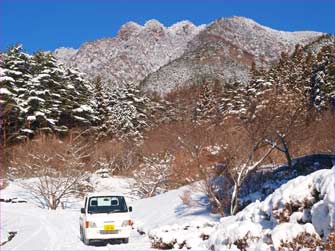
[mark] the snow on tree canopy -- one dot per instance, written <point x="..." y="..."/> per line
<point x="4" y="91"/>
<point x="41" y="95"/>
<point x="122" y="111"/>
<point x="6" y="78"/>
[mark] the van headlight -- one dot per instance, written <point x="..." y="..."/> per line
<point x="126" y="223"/>
<point x="90" y="224"/>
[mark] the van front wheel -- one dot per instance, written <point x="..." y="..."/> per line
<point x="81" y="234"/>
<point x="86" y="241"/>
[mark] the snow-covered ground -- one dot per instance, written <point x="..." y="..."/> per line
<point x="298" y="214"/>
<point x="42" y="229"/>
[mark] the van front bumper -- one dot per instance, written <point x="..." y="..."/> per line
<point x="100" y="234"/>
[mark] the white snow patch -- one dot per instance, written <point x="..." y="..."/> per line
<point x="31" y="118"/>
<point x="6" y="78"/>
<point x="5" y="91"/>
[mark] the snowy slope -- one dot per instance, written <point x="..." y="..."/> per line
<point x="167" y="208"/>
<point x="298" y="214"/>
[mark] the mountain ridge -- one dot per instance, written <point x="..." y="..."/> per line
<point x="143" y="54"/>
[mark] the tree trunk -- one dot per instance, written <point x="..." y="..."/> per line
<point x="286" y="151"/>
<point x="151" y="193"/>
<point x="4" y="135"/>
<point x="289" y="160"/>
<point x="53" y="204"/>
<point x="234" y="200"/>
<point x="242" y="175"/>
<point x="214" y="200"/>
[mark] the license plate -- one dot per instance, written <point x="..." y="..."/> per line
<point x="109" y="227"/>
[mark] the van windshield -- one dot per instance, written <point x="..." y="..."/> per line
<point x="107" y="204"/>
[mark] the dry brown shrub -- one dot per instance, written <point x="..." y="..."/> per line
<point x="3" y="183"/>
<point x="242" y="244"/>
<point x="167" y="138"/>
<point x="119" y="157"/>
<point x="186" y="198"/>
<point x="22" y="154"/>
<point x="159" y="244"/>
<point x="159" y="139"/>
<point x="330" y="244"/>
<point x="303" y="240"/>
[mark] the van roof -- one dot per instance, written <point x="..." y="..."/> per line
<point x="103" y="194"/>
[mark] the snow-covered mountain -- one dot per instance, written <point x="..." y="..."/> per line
<point x="226" y="50"/>
<point x="134" y="53"/>
<point x="64" y="54"/>
<point x="161" y="58"/>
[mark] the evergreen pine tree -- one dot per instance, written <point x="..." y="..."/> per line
<point x="207" y="105"/>
<point x="128" y="113"/>
<point x="15" y="72"/>
<point x="101" y="101"/>
<point x="322" y="79"/>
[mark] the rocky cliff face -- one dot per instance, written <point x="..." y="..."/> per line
<point x="163" y="58"/>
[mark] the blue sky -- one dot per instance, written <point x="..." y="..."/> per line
<point x="49" y="24"/>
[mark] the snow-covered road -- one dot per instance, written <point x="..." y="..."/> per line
<point x="43" y="229"/>
<point x="40" y="229"/>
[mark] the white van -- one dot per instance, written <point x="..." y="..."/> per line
<point x="105" y="217"/>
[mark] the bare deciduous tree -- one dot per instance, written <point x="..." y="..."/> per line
<point x="196" y="140"/>
<point x="55" y="173"/>
<point x="51" y="186"/>
<point x="288" y="112"/>
<point x="153" y="175"/>
<point x="239" y="172"/>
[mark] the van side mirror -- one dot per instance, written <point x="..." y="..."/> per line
<point x="82" y="210"/>
<point x="130" y="209"/>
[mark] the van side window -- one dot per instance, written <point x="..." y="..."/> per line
<point x="85" y="202"/>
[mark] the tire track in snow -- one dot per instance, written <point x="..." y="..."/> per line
<point x="27" y="230"/>
<point x="50" y="231"/>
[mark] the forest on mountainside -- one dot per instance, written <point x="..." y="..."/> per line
<point x="193" y="133"/>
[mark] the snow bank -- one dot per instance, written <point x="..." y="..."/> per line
<point x="287" y="232"/>
<point x="181" y="235"/>
<point x="299" y="214"/>
<point x="170" y="223"/>
<point x="230" y="232"/>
